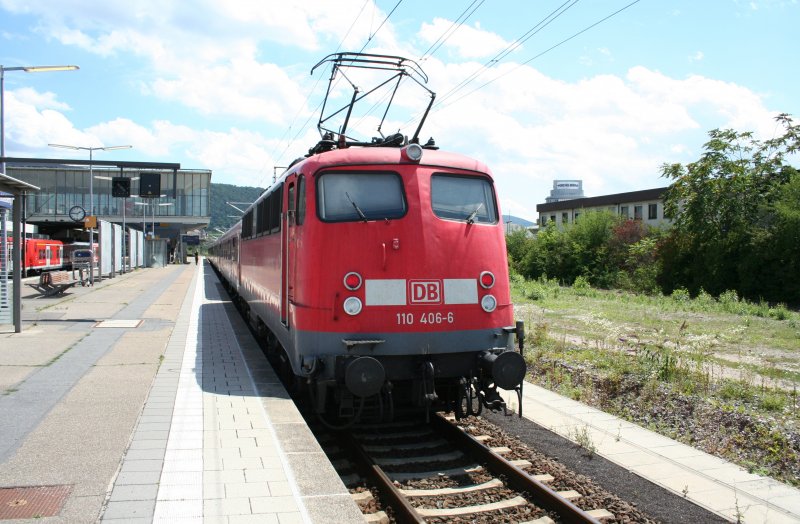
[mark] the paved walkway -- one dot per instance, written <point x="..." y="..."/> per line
<point x="148" y="400"/>
<point x="711" y="482"/>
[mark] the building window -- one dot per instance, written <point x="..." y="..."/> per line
<point x="552" y="218"/>
<point x="623" y="210"/>
<point x="564" y="218"/>
<point x="577" y="214"/>
<point x="637" y="212"/>
<point x="652" y="211"/>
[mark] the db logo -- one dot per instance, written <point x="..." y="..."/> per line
<point x="425" y="291"/>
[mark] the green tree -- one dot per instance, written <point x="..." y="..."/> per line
<point x="725" y="214"/>
<point x="518" y="243"/>
<point x="578" y="249"/>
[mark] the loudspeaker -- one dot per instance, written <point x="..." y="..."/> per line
<point x="150" y="185"/>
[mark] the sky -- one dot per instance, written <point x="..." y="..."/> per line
<point x="601" y="91"/>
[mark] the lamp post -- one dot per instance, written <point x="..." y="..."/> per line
<point x="27" y="69"/>
<point x="91" y="150"/>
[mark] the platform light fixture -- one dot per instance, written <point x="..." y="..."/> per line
<point x="27" y="69"/>
<point x="91" y="151"/>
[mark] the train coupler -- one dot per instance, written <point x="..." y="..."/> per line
<point x="493" y="401"/>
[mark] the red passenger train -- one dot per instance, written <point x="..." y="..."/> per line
<point x="379" y="276"/>
<point x="377" y="270"/>
<point x="41" y="254"/>
<point x="44" y="254"/>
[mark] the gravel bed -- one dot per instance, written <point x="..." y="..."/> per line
<point x="593" y="496"/>
<point x="560" y="454"/>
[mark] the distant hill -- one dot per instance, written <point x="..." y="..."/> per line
<point x="223" y="215"/>
<point x="517" y="220"/>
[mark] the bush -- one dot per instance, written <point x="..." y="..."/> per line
<point x="779" y="312"/>
<point x="681" y="295"/>
<point x="772" y="402"/>
<point x="581" y="286"/>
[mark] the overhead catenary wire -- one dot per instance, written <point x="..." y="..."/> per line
<point x="369" y="39"/>
<point x="308" y="97"/>
<point x="460" y="20"/>
<point x="455" y="26"/>
<point x="541" y="24"/>
<point x="587" y="28"/>
<point x="308" y="120"/>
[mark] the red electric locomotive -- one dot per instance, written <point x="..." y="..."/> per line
<point x="378" y="273"/>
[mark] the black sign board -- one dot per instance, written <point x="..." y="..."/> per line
<point x="150" y="185"/>
<point x="191" y="240"/>
<point x="120" y="187"/>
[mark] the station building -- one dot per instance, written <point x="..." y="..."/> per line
<point x="179" y="208"/>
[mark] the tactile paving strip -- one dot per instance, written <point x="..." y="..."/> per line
<point x="32" y="502"/>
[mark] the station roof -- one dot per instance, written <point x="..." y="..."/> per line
<point x="14" y="186"/>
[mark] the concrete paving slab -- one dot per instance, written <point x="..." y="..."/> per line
<point x="758" y="513"/>
<point x="634" y="460"/>
<point x="690" y="484"/>
<point x="12" y="376"/>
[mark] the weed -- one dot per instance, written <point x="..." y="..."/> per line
<point x="772" y="402"/>
<point x="735" y="390"/>
<point x="779" y="312"/>
<point x="739" y="514"/>
<point x="583" y="439"/>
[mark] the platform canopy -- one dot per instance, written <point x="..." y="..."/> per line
<point x="15" y="188"/>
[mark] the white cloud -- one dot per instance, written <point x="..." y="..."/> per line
<point x="612" y="132"/>
<point x="28" y="96"/>
<point x="696" y="57"/>
<point x="239" y="73"/>
<point x="466" y="42"/>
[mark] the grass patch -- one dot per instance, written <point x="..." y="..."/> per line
<point x="720" y="374"/>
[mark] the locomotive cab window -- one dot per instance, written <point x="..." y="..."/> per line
<point x="348" y="196"/>
<point x="470" y="199"/>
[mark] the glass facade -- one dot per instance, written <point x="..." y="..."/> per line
<point x="63" y="188"/>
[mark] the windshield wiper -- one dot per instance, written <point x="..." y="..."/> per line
<point x="471" y="217"/>
<point x="358" y="209"/>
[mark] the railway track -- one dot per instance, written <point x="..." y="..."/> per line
<point x="437" y="472"/>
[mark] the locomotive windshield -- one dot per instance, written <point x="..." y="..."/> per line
<point x="360" y="196"/>
<point x="463" y="198"/>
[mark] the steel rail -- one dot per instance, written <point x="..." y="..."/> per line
<point x="404" y="512"/>
<point x="515" y="477"/>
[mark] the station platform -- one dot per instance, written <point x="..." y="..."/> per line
<point x="710" y="482"/>
<point x="145" y="399"/>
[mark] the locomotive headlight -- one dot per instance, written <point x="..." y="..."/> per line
<point x="486" y="280"/>
<point x="352" y="281"/>
<point x="488" y="303"/>
<point x="352" y="306"/>
<point x="412" y="152"/>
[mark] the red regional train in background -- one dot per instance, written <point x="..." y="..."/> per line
<point x="378" y="274"/>
<point x="44" y="254"/>
<point x="41" y="254"/>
